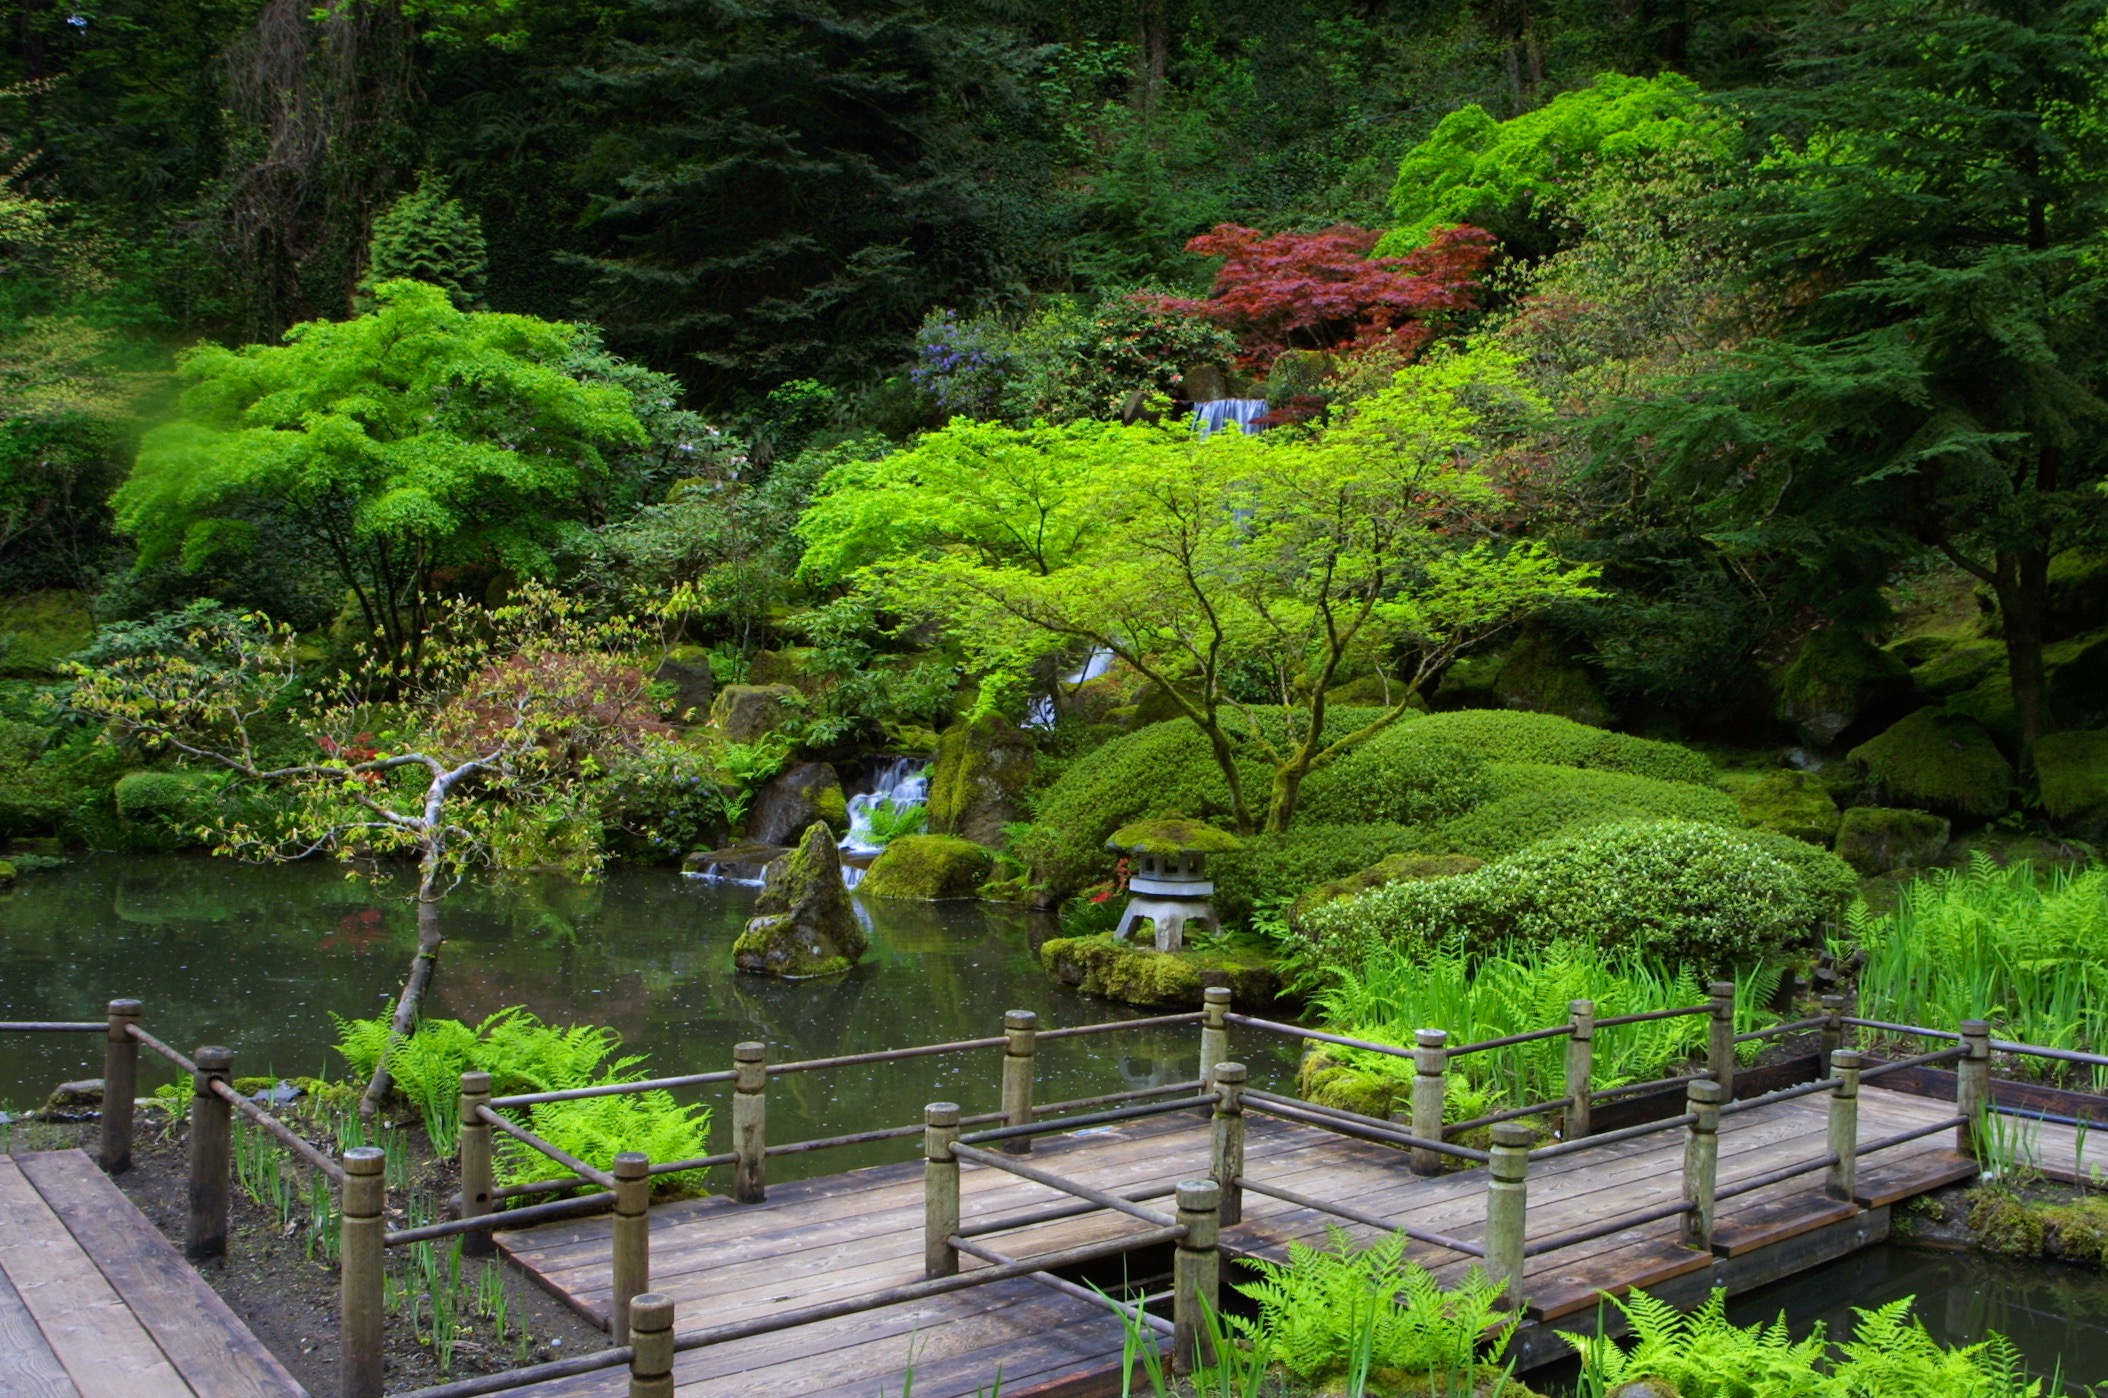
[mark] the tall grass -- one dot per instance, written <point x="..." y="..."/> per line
<point x="1392" y="993"/>
<point x="2028" y="953"/>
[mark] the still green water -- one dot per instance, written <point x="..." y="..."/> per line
<point x="259" y="958"/>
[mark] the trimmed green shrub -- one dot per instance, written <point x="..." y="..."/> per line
<point x="165" y="796"/>
<point x="1942" y="763"/>
<point x="1395" y="868"/>
<point x="1534" y="801"/>
<point x="1506" y="735"/>
<point x="1679" y="890"/>
<point x="1274" y="868"/>
<point x="1400" y="777"/>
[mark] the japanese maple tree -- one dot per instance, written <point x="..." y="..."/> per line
<point x="1325" y="291"/>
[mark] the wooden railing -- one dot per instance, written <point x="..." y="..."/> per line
<point x="998" y="1139"/>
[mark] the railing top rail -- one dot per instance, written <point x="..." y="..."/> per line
<point x="1322" y="1036"/>
<point x="1555" y="1031"/>
<point x="1610" y="1138"/>
<point x="2095" y="1060"/>
<point x="1109" y="1026"/>
<point x="1367" y="1220"/>
<point x="1888" y="1028"/>
<point x="284" y="1134"/>
<point x="1059" y="1124"/>
<point x="1875" y="1070"/>
<point x="1784" y="1094"/>
<point x="1612" y="1021"/>
<point x="611" y="1089"/>
<point x="1011" y="1165"/>
<point x="1353" y="1124"/>
<point x="1780" y="1030"/>
<point x="163" y="1049"/>
<point x="559" y="1155"/>
<point x="53" y="1026"/>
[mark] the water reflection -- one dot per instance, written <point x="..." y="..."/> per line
<point x="259" y="958"/>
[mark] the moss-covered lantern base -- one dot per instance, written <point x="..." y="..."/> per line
<point x="1139" y="976"/>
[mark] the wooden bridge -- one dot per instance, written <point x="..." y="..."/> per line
<point x="1041" y="1242"/>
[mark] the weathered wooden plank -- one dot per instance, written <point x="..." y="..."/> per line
<point x="202" y="1337"/>
<point x="1891" y="1176"/>
<point x="1644" y="1265"/>
<point x="106" y="1353"/>
<point x="28" y="1368"/>
<point x="1776" y="1220"/>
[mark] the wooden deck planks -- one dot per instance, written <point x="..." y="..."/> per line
<point x="95" y="1303"/>
<point x="853" y="1234"/>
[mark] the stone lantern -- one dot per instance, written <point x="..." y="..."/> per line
<point x="1167" y="876"/>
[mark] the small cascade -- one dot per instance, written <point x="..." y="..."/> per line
<point x="1041" y="714"/>
<point x="904" y="781"/>
<point x="1210" y="418"/>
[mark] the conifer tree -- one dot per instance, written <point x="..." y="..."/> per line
<point x="427" y="236"/>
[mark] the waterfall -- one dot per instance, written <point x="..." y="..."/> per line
<point x="1210" y="418"/>
<point x="904" y="781"/>
<point x="1041" y="714"/>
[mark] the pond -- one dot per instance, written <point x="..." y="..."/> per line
<point x="259" y="958"/>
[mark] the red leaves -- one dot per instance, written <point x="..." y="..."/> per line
<point x="1323" y="291"/>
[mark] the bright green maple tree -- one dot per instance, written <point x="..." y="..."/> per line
<point x="414" y="438"/>
<point x="1198" y="563"/>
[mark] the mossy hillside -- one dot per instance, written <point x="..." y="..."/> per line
<point x="1791" y="803"/>
<point x="1939" y="762"/>
<point x="2071" y="772"/>
<point x="1534" y="800"/>
<point x="1680" y="890"/>
<point x="931" y="868"/>
<point x="39" y="629"/>
<point x="1141" y="975"/>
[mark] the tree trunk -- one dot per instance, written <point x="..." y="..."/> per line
<point x="2023" y="601"/>
<point x="421" y="967"/>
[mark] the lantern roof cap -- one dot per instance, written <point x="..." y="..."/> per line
<point x="1172" y="835"/>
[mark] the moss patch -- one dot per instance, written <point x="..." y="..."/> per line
<point x="1143" y="976"/>
<point x="2072" y="769"/>
<point x="928" y="867"/>
<point x="1876" y="839"/>
<point x="1172" y="835"/>
<point x="1329" y="1082"/>
<point x="1397" y="868"/>
<point x="978" y="782"/>
<point x="42" y="628"/>
<point x="1791" y="803"/>
<point x="1837" y="677"/>
<point x="1958" y="666"/>
<point x="2072" y="1230"/>
<point x="1939" y="762"/>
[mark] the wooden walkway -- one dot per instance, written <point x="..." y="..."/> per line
<point x="95" y="1303"/>
<point x="857" y="1233"/>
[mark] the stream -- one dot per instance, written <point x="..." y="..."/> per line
<point x="258" y="958"/>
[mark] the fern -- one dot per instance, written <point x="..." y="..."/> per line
<point x="597" y="1129"/>
<point x="1325" y="1311"/>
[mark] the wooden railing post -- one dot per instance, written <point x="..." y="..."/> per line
<point x="1833" y="1031"/>
<point x="940" y="1189"/>
<point x="1226" y="1145"/>
<point x="1508" y="1208"/>
<point x="1842" y="1182"/>
<point x="211" y="1155"/>
<point x="1020" y="1048"/>
<point x="1430" y="1095"/>
<point x="651" y="1346"/>
<point x="1214" y="1028"/>
<point x="1972" y="1086"/>
<point x="362" y="1219"/>
<point x="1196" y="1275"/>
<point x="632" y="1269"/>
<point x="750" y="1122"/>
<point x="1701" y="1162"/>
<point x="477" y="1182"/>
<point x="1580" y="1068"/>
<point x="1720" y="1046"/>
<point x="120" y="1087"/>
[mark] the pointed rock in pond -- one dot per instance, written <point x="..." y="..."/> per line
<point x="803" y="925"/>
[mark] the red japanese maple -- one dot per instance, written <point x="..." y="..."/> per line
<point x="1324" y="291"/>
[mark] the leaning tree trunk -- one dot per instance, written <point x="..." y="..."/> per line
<point x="421" y="967"/>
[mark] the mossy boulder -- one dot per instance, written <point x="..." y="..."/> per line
<point x="1837" y="679"/>
<point x="1333" y="1082"/>
<point x="1877" y="839"/>
<point x="803" y="925"/>
<point x="685" y="672"/>
<point x="1396" y="868"/>
<point x="1957" y="666"/>
<point x="1373" y="691"/>
<point x="2078" y="592"/>
<point x="2077" y="672"/>
<point x="1791" y="803"/>
<point x="39" y="629"/>
<point x="931" y="868"/>
<point x="744" y="713"/>
<point x="1138" y="975"/>
<point x="2070" y="1229"/>
<point x="2072" y="772"/>
<point x="790" y="666"/>
<point x="977" y="784"/>
<point x="1536" y="675"/>
<point x="1939" y="762"/>
<point x="2004" y="847"/>
<point x="795" y="798"/>
<point x="7" y="874"/>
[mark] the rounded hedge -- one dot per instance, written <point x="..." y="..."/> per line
<point x="1271" y="868"/>
<point x="1510" y="735"/>
<point x="1682" y="890"/>
<point x="1532" y="800"/>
